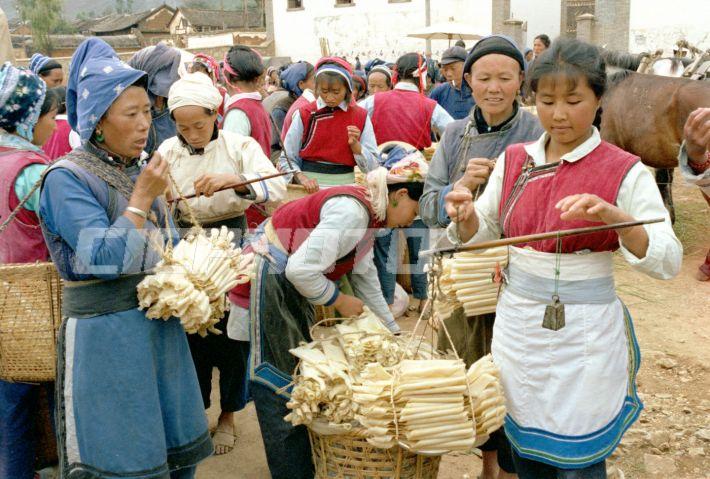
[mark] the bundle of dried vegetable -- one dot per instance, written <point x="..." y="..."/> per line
<point x="192" y="280"/>
<point x="472" y="279"/>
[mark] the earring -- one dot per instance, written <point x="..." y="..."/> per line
<point x="394" y="203"/>
<point x="99" y="136"/>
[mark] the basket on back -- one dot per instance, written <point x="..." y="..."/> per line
<point x="30" y="316"/>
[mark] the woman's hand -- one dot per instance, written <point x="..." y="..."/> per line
<point x="477" y="172"/>
<point x="354" y="140"/>
<point x="459" y="204"/>
<point x="697" y="135"/>
<point x="310" y="185"/>
<point x="348" y="306"/>
<point x="151" y="182"/>
<point x="459" y="207"/>
<point x="590" y="208"/>
<point x="211" y="183"/>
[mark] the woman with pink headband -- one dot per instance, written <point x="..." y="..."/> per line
<point x="244" y="113"/>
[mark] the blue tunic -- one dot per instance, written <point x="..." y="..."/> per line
<point x="129" y="403"/>
<point x="457" y="102"/>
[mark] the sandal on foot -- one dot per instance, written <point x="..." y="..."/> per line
<point x="223" y="440"/>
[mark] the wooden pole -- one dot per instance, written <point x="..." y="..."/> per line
<point x="537" y="237"/>
<point x="236" y="185"/>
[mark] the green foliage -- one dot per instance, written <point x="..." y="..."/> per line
<point x="44" y="16"/>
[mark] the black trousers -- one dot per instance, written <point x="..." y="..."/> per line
<point x="230" y="357"/>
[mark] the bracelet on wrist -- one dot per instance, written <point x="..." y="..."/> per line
<point x="700" y="167"/>
<point x="137" y="212"/>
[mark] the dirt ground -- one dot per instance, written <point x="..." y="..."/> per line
<point x="672" y="437"/>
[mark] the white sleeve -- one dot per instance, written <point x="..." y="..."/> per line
<point x="343" y="224"/>
<point x="255" y="164"/>
<point x="486" y="208"/>
<point x="366" y="286"/>
<point x="639" y="197"/>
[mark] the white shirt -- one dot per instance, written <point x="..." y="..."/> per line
<point x="229" y="153"/>
<point x="638" y="196"/>
<point x="343" y="224"/>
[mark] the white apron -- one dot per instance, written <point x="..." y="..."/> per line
<point x="570" y="393"/>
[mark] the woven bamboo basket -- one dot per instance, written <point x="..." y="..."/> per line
<point x="30" y="316"/>
<point x="349" y="456"/>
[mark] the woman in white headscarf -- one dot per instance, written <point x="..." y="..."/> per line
<point x="202" y="161"/>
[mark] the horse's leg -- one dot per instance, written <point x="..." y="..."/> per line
<point x="664" y="180"/>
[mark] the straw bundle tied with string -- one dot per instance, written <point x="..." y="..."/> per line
<point x="193" y="278"/>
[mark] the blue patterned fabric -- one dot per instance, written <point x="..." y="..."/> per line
<point x="96" y="78"/>
<point x="21" y="97"/>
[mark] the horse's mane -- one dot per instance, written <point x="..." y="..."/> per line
<point x="616" y="78"/>
<point x="626" y="61"/>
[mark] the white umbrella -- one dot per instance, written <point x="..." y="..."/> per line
<point x="447" y="31"/>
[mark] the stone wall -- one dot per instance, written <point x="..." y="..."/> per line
<point x="612" y="23"/>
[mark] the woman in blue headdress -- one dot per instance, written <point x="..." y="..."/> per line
<point x="128" y="400"/>
<point x="48" y="69"/>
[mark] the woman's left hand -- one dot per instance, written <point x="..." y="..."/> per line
<point x="589" y="207"/>
<point x="354" y="139"/>
<point x="210" y="183"/>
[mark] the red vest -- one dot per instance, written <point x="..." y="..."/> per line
<point x="402" y="115"/>
<point x="294" y="222"/>
<point x="258" y="118"/>
<point x="22" y="240"/>
<point x="300" y="102"/>
<point x="325" y="133"/>
<point x="527" y="203"/>
<point x="58" y="144"/>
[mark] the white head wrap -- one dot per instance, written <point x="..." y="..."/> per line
<point x="413" y="168"/>
<point x="194" y="89"/>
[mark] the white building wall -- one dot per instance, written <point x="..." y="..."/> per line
<point x="542" y="16"/>
<point x="370" y="28"/>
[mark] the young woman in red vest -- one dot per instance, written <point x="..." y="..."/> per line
<point x="26" y="122"/>
<point x="330" y="136"/>
<point x="302" y="250"/>
<point x="569" y="379"/>
<point x="244" y="113"/>
<point x="405" y="113"/>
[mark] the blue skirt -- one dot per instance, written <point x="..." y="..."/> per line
<point x="128" y="400"/>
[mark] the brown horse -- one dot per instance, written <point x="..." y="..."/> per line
<point x="645" y="115"/>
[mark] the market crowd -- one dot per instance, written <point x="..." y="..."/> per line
<point x="90" y="154"/>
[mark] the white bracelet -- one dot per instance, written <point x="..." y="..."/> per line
<point x="137" y="211"/>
